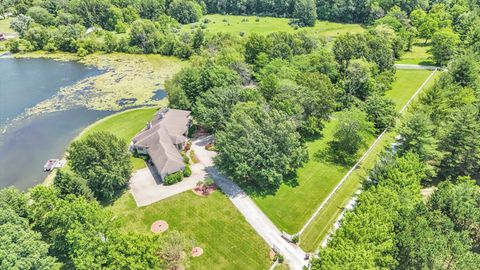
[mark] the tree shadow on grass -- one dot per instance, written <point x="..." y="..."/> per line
<point x="332" y="156"/>
<point x="290" y="180"/>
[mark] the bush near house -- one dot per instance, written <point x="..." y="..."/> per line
<point x="187" y="172"/>
<point x="173" y="178"/>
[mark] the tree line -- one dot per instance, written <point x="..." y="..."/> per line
<point x="392" y="226"/>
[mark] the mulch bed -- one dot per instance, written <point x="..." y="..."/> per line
<point x="159" y="226"/>
<point x="197" y="251"/>
<point x="272" y="254"/>
<point x="204" y="192"/>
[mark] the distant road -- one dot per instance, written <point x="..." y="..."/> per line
<point x="412" y="66"/>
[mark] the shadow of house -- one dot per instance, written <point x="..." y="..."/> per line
<point x="162" y="140"/>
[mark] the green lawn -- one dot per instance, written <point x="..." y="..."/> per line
<point x="248" y="24"/>
<point x="124" y="125"/>
<point x="5" y="26"/>
<point x="419" y="55"/>
<point x="405" y="85"/>
<point x="212" y="223"/>
<point x="291" y="207"/>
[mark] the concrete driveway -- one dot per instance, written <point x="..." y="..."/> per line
<point x="147" y="188"/>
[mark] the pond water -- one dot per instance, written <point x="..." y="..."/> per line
<point x="26" y="144"/>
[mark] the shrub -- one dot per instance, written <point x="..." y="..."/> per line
<point x="278" y="257"/>
<point x="242" y="33"/>
<point x="295" y="239"/>
<point x="185" y="157"/>
<point x="173" y="178"/>
<point x="187" y="171"/>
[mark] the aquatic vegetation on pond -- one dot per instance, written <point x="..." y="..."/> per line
<point x="128" y="81"/>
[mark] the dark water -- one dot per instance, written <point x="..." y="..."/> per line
<point x="27" y="144"/>
<point x="26" y="82"/>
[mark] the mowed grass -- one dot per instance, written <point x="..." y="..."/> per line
<point x="248" y="24"/>
<point x="5" y="26"/>
<point x="406" y="84"/>
<point x="292" y="206"/>
<point x="212" y="223"/>
<point x="124" y="125"/>
<point x="418" y="55"/>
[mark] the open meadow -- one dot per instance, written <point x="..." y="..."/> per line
<point x="236" y="25"/>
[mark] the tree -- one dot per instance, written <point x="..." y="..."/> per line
<point x="21" y="23"/>
<point x="461" y="145"/>
<point x="461" y="203"/>
<point x="255" y="45"/>
<point x="427" y="239"/>
<point x="213" y="108"/>
<point x="185" y="11"/>
<point x="38" y="36"/>
<point x="22" y="249"/>
<point x="15" y="200"/>
<point x="445" y="45"/>
<point x="464" y="71"/>
<point x="318" y="100"/>
<point x="358" y="79"/>
<point x="41" y="16"/>
<point x="416" y="135"/>
<point x="69" y="183"/>
<point x="351" y="133"/>
<point x="259" y="147"/>
<point x="425" y="25"/>
<point x="381" y="111"/>
<point x="174" y="250"/>
<point x="306" y="12"/>
<point x="145" y="36"/>
<point x="151" y="9"/>
<point x="104" y="161"/>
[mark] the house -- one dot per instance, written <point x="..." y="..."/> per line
<point x="163" y="139"/>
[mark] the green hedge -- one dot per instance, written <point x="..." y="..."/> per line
<point x="173" y="178"/>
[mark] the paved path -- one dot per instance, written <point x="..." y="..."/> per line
<point x="257" y="219"/>
<point x="412" y="66"/>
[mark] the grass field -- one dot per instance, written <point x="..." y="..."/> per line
<point x="5" y="26"/>
<point x="419" y="55"/>
<point x="212" y="223"/>
<point x="291" y="207"/>
<point x="265" y="25"/>
<point x="407" y="82"/>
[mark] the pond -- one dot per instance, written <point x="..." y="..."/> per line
<point x="27" y="143"/>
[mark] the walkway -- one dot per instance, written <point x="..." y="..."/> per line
<point x="257" y="219"/>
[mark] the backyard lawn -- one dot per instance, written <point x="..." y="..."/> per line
<point x="124" y="125"/>
<point x="212" y="223"/>
<point x="265" y="25"/>
<point x="291" y="207"/>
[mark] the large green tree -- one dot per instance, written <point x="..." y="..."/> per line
<point x="259" y="146"/>
<point x="104" y="161"/>
<point x="351" y="133"/>
<point x="306" y="12"/>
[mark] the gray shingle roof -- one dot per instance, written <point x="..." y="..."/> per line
<point x="159" y="139"/>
